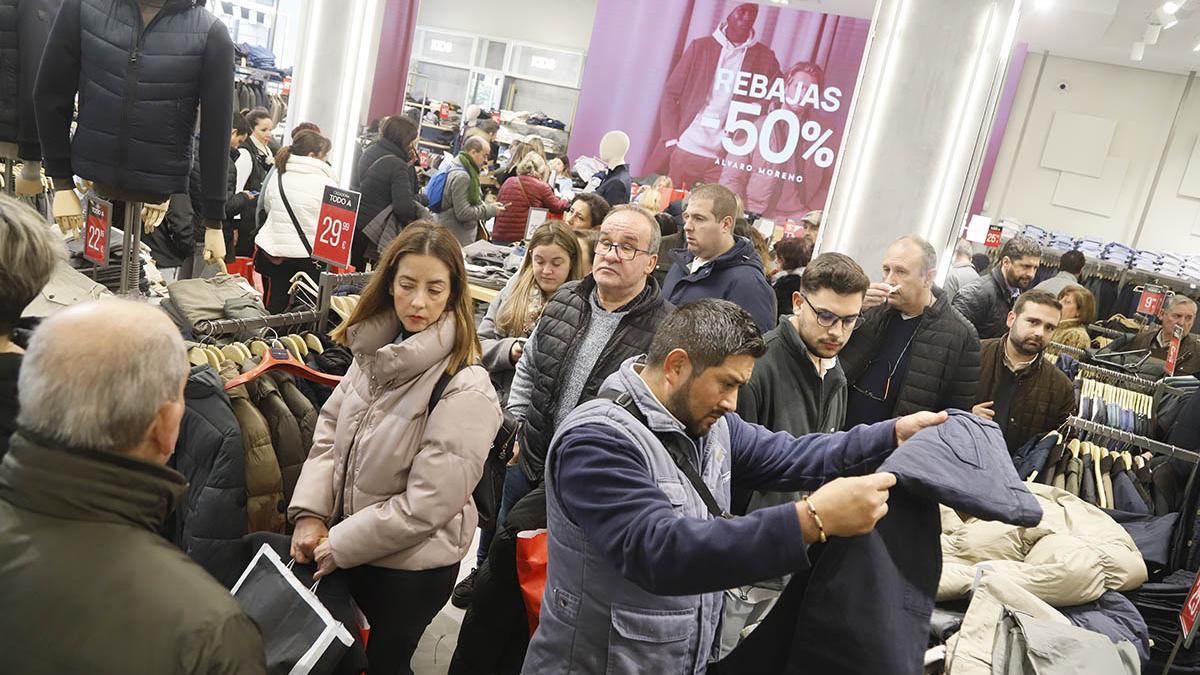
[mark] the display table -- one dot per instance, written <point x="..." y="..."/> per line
<point x="483" y="294"/>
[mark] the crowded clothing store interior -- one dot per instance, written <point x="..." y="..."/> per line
<point x="599" y="337"/>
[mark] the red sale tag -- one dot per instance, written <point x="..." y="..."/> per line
<point x="1173" y="349"/>
<point x="993" y="236"/>
<point x="496" y="117"/>
<point x="97" y="231"/>
<point x="1151" y="300"/>
<point x="335" y="226"/>
<point x="1189" y="612"/>
<point x="444" y="111"/>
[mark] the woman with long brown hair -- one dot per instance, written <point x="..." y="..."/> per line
<point x="385" y="494"/>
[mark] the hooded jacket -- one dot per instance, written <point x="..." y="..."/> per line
<point x="986" y="303"/>
<point x="392" y="480"/>
<point x="80" y="552"/>
<point x="735" y="275"/>
<point x="943" y="369"/>
<point x="1042" y="400"/>
<point x="391" y="180"/>
<point x="304" y="182"/>
<point x="211" y="519"/>
<point x="139" y="87"/>
<point x="891" y="574"/>
<point x="264" y="482"/>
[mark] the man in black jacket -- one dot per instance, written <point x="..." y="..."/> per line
<point x="914" y="351"/>
<point x="987" y="301"/>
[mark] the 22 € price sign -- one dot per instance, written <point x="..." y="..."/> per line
<point x="335" y="226"/>
<point x="993" y="236"/>
<point x="97" y="231"/>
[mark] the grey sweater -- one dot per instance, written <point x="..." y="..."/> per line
<point x="497" y="346"/>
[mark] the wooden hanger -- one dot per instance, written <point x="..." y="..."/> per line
<point x="281" y="359"/>
<point x="314" y="343"/>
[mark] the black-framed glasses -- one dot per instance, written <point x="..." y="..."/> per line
<point x="827" y="319"/>
<point x="626" y="252"/>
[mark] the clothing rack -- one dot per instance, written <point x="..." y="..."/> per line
<point x="215" y="327"/>
<point x="1093" y="371"/>
<point x="328" y="284"/>
<point x="1060" y="348"/>
<point x="1141" y="442"/>
<point x="1105" y="331"/>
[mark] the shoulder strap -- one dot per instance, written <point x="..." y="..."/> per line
<point x="439" y="388"/>
<point x="292" y="214"/>
<point x="674" y="444"/>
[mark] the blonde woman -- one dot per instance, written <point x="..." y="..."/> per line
<point x="526" y="190"/>
<point x="1078" y="310"/>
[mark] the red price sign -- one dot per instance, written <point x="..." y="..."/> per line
<point x="1173" y="350"/>
<point x="444" y="111"/>
<point x="496" y="117"/>
<point x="1189" y="612"/>
<point x="335" y="226"/>
<point x="993" y="236"/>
<point x="1151" y="300"/>
<point x="97" y="231"/>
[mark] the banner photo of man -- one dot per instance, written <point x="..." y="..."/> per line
<point x="752" y="97"/>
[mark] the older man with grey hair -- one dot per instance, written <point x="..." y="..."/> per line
<point x="86" y="582"/>
<point x="1179" y="312"/>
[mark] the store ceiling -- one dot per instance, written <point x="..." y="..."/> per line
<point x="1095" y="30"/>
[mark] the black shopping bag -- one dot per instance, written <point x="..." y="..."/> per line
<point x="299" y="635"/>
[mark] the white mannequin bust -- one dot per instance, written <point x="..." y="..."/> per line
<point x="613" y="148"/>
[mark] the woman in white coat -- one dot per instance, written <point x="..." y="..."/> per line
<point x="286" y="239"/>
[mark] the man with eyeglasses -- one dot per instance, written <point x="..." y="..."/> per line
<point x="588" y="328"/>
<point x="716" y="263"/>
<point x="914" y="351"/>
<point x="798" y="387"/>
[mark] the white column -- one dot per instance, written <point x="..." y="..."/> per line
<point x="927" y="94"/>
<point x="331" y="86"/>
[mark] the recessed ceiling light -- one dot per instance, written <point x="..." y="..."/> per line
<point x="1138" y="51"/>
<point x="1152" y="31"/>
<point x="1171" y="7"/>
<point x="1197" y="47"/>
<point x="1171" y="23"/>
<point x="1043" y="5"/>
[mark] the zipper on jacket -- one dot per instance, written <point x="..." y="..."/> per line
<point x="131" y="74"/>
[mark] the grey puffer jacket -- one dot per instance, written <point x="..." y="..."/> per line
<point x="139" y="87"/>
<point x="986" y="302"/>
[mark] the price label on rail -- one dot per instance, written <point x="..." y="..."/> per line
<point x="1173" y="350"/>
<point x="994" y="234"/>
<point x="1151" y="300"/>
<point x="335" y="226"/>
<point x="97" y="231"/>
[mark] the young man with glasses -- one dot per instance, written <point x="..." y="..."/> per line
<point x="797" y="387"/>
<point x="589" y="327"/>
<point x="914" y="351"/>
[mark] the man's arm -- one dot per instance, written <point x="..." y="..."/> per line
<point x="605" y="488"/>
<point x="764" y="460"/>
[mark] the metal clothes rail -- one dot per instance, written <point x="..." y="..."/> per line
<point x="328" y="284"/>
<point x="1141" y="442"/>
<point x="1092" y="371"/>
<point x="214" y="327"/>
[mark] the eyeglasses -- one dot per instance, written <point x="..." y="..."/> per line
<point x="626" y="252"/>
<point x="827" y="319"/>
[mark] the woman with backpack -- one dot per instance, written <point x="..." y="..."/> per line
<point x="292" y="198"/>
<point x="524" y="191"/>
<point x="456" y="195"/>
<point x="385" y="495"/>
<point x="390" y="181"/>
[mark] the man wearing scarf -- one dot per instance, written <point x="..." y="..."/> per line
<point x="463" y="208"/>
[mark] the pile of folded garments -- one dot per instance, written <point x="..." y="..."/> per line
<point x="490" y="265"/>
<point x="1060" y="241"/>
<point x="1119" y="253"/>
<point x="1036" y="233"/>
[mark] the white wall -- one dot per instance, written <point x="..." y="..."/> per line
<point x="1143" y="104"/>
<point x="560" y="23"/>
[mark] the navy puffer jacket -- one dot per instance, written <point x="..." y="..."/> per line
<point x="139" y="89"/>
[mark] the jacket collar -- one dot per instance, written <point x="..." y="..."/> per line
<point x="393" y="363"/>
<point x="648" y="299"/>
<point x="627" y="381"/>
<point x="88" y="485"/>
<point x="799" y="351"/>
<point x="311" y="166"/>
<point x="1029" y="371"/>
<point x="742" y="253"/>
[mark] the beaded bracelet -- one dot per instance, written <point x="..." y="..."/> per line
<point x="812" y="511"/>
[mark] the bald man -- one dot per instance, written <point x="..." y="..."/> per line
<point x="86" y="583"/>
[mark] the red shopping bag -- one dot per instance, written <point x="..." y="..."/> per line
<point x="531" y="572"/>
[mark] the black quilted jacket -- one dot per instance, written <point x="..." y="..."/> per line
<point x="943" y="368"/>
<point x="139" y="90"/>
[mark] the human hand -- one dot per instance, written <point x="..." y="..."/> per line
<point x="214" y="245"/>
<point x="309" y="532"/>
<point x="500" y="206"/>
<point x="324" y="556"/>
<point x="877" y="294"/>
<point x="516" y="453"/>
<point x="517" y="350"/>
<point x="848" y="507"/>
<point x="910" y="424"/>
<point x="984" y="410"/>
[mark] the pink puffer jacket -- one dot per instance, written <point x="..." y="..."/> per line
<point x="406" y="479"/>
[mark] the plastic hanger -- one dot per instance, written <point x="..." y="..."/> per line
<point x="314" y="343"/>
<point x="281" y="359"/>
<point x="234" y="354"/>
<point x="197" y="356"/>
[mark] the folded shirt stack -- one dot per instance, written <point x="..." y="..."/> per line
<point x="1036" y="233"/>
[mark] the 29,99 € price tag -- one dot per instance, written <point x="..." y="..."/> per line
<point x="335" y="226"/>
<point x="97" y="230"/>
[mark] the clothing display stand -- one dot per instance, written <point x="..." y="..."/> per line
<point x="328" y="284"/>
<point x="1104" y="331"/>
<point x="1059" y="348"/>
<point x="131" y="260"/>
<point x="211" y="328"/>
<point x="1136" y="441"/>
<point x="1095" y="371"/>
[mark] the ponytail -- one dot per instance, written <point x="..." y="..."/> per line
<point x="303" y="144"/>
